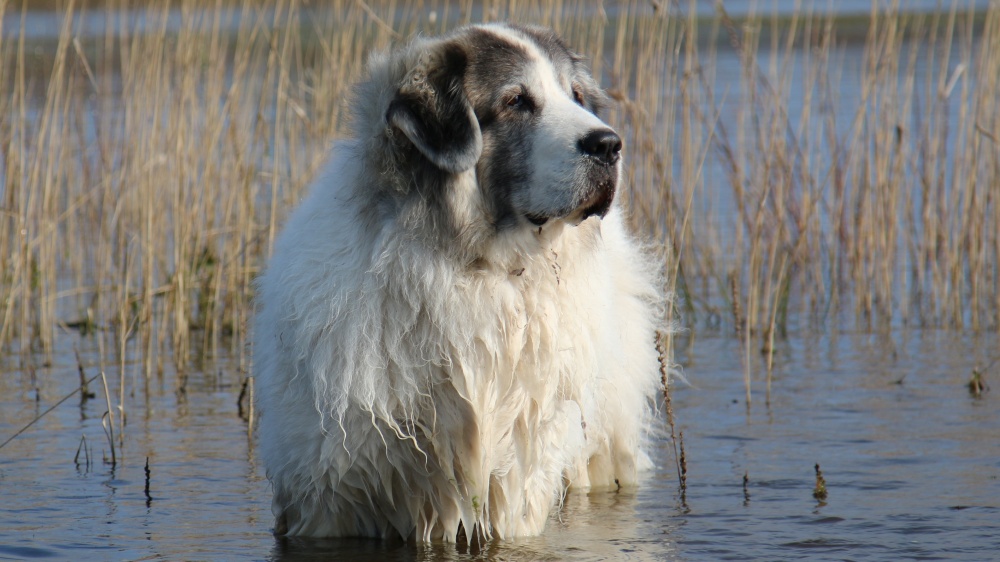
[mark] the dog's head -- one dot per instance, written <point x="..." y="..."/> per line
<point x="517" y="108"/>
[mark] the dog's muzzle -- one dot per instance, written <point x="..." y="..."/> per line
<point x="604" y="148"/>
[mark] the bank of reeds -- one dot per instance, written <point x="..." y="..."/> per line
<point x="792" y="170"/>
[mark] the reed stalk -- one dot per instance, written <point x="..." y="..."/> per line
<point x="145" y="172"/>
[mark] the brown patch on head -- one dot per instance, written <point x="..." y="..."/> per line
<point x="432" y="111"/>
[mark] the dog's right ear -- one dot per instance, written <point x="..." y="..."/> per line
<point x="433" y="112"/>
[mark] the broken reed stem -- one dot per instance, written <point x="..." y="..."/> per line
<point x="772" y="325"/>
<point x="124" y="329"/>
<point x="668" y="406"/>
<point x="742" y="333"/>
<point x="109" y="416"/>
<point x="85" y="393"/>
<point x="746" y="488"/>
<point x="251" y="402"/>
<point x="683" y="464"/>
<point x="86" y="453"/>
<point x="149" y="498"/>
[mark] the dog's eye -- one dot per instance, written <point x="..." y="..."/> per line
<point x="578" y="96"/>
<point x="517" y="101"/>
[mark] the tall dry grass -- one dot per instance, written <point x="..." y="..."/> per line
<point x="146" y="171"/>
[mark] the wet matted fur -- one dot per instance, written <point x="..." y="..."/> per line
<point x="455" y="327"/>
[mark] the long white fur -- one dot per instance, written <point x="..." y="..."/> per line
<point x="406" y="391"/>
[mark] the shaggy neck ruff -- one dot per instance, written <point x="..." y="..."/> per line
<point x="477" y="327"/>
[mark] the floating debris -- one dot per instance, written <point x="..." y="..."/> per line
<point x="977" y="386"/>
<point x="819" y="492"/>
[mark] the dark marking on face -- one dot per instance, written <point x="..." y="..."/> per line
<point x="432" y="111"/>
<point x="496" y="74"/>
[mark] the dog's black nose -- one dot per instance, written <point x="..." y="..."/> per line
<point x="603" y="144"/>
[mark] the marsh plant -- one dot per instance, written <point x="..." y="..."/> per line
<point x="799" y="169"/>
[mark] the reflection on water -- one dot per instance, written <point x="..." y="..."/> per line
<point x="911" y="460"/>
<point x="598" y="526"/>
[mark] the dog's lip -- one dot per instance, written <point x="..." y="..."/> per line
<point x="599" y="202"/>
<point x="537" y="220"/>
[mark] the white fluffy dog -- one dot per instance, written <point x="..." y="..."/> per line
<point x="455" y="327"/>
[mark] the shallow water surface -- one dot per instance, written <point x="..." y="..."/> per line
<point x="911" y="461"/>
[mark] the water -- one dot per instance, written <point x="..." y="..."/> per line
<point x="911" y="461"/>
<point x="910" y="458"/>
<point x="44" y="24"/>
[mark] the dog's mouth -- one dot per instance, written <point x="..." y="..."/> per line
<point x="597" y="203"/>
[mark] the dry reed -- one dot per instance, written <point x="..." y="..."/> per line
<point x="147" y="169"/>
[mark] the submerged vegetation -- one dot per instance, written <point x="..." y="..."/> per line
<point x="796" y="170"/>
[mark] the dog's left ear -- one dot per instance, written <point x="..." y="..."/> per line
<point x="432" y="110"/>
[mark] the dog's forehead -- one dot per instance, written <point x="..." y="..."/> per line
<point x="501" y="54"/>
